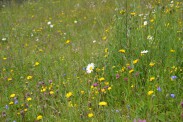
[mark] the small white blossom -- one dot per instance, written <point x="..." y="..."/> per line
<point x="144" y="51"/>
<point x="90" y="68"/>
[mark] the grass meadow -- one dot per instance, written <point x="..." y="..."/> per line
<point x="91" y="61"/>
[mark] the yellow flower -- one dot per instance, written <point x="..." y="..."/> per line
<point x="106" y="50"/>
<point x="172" y="51"/>
<point x="36" y="64"/>
<point x="51" y="92"/>
<point x="9" y="79"/>
<point x="12" y="95"/>
<point x="101" y="79"/>
<point x="152" y="78"/>
<point x="135" y="61"/>
<point x="90" y="115"/>
<point x="29" y="77"/>
<point x="151" y="64"/>
<point x="29" y="99"/>
<point x="11" y="103"/>
<point x="150" y="92"/>
<point x="82" y="92"/>
<point x="69" y="94"/>
<point x="102" y="103"/>
<point x="122" y="51"/>
<point x="104" y="38"/>
<point x="4" y="58"/>
<point x="133" y="13"/>
<point x="67" y="41"/>
<point x="131" y="71"/>
<point x="109" y="88"/>
<point x="39" y="117"/>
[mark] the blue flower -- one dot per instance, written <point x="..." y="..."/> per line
<point x="172" y="95"/>
<point x="159" y="89"/>
<point x="173" y="77"/>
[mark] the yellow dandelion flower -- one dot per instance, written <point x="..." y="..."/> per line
<point x="69" y="94"/>
<point x="82" y="92"/>
<point x="4" y="58"/>
<point x="102" y="103"/>
<point x="90" y="115"/>
<point x="11" y="103"/>
<point x="29" y="99"/>
<point x="51" y="92"/>
<point x="172" y="51"/>
<point x="122" y="51"/>
<point x="131" y="71"/>
<point x="150" y="92"/>
<point x="36" y="64"/>
<point x="135" y="61"/>
<point x="25" y="109"/>
<point x="151" y="64"/>
<point x="9" y="79"/>
<point x="29" y="77"/>
<point x="67" y="41"/>
<point x="39" y="117"/>
<point x="102" y="90"/>
<point x="101" y="79"/>
<point x="133" y="13"/>
<point x="109" y="88"/>
<point x="152" y="78"/>
<point x="12" y="95"/>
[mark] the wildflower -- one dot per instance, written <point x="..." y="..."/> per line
<point x="49" y="23"/>
<point x="131" y="71"/>
<point x="11" y="103"/>
<point x="82" y="92"/>
<point x="117" y="76"/>
<point x="172" y="51"/>
<point x="12" y="95"/>
<point x="90" y="68"/>
<point x="104" y="38"/>
<point x="109" y="88"/>
<point x="144" y="51"/>
<point x="151" y="64"/>
<point x="29" y="77"/>
<point x="36" y="64"/>
<point x="95" y="84"/>
<point x="39" y="117"/>
<point x="182" y="104"/>
<point x="90" y="115"/>
<point x="172" y="95"/>
<point x="6" y="107"/>
<point x="9" y="79"/>
<point x="150" y="92"/>
<point x="67" y="41"/>
<point x="135" y="61"/>
<point x="3" y="39"/>
<point x="29" y="99"/>
<point x="122" y="12"/>
<point x="133" y="13"/>
<point x="149" y="37"/>
<point x="101" y="79"/>
<point x="152" y="78"/>
<point x="51" y="92"/>
<point x="102" y="103"/>
<point x="4" y="58"/>
<point x="159" y="89"/>
<point x="145" y="23"/>
<point x="51" y="26"/>
<point x="69" y="94"/>
<point x="122" y="51"/>
<point x="173" y="77"/>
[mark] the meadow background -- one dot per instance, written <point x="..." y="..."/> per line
<point x="47" y="47"/>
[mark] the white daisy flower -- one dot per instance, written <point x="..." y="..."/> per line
<point x="90" y="68"/>
<point x="144" y="51"/>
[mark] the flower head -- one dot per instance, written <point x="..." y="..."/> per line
<point x="150" y="92"/>
<point x="39" y="117"/>
<point x="144" y="51"/>
<point x="102" y="103"/>
<point x="173" y="77"/>
<point x="90" y="68"/>
<point x="69" y="94"/>
<point x="12" y="95"/>
<point x="90" y="115"/>
<point x="122" y="51"/>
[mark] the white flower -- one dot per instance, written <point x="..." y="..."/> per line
<point x="51" y="26"/>
<point x="90" y="68"/>
<point x="145" y="22"/>
<point x="49" y="23"/>
<point x="149" y="37"/>
<point x="75" y="21"/>
<point x="3" y="39"/>
<point x="144" y="51"/>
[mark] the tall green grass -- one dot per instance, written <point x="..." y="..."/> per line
<point x="45" y="66"/>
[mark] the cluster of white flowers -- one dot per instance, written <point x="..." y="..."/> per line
<point x="49" y="23"/>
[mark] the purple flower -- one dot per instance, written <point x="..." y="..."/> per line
<point x="182" y="104"/>
<point x="159" y="89"/>
<point x="173" y="77"/>
<point x="117" y="76"/>
<point x="95" y="84"/>
<point x="172" y="95"/>
<point x="6" y="107"/>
